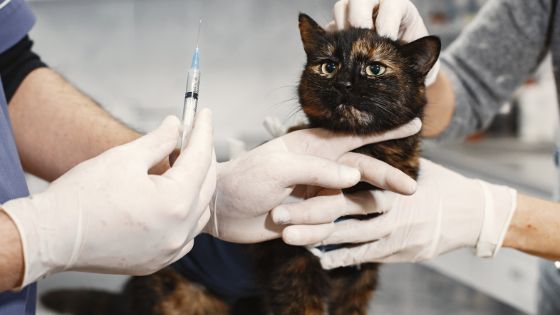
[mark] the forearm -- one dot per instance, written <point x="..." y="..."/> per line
<point x="440" y="107"/>
<point x="535" y="228"/>
<point x="478" y="67"/>
<point x="11" y="254"/>
<point x="56" y="126"/>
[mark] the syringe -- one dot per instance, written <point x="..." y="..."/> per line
<point x="191" y="95"/>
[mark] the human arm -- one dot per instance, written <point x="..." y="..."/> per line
<point x="74" y="223"/>
<point x="448" y="211"/>
<point x="534" y="228"/>
<point x="440" y="107"/>
<point x="481" y="69"/>
<point x="11" y="254"/>
<point x="47" y="116"/>
<point x="489" y="60"/>
<point x="22" y="71"/>
<point x="55" y="125"/>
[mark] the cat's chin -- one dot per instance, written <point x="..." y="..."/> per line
<point x="342" y="118"/>
<point x="352" y="119"/>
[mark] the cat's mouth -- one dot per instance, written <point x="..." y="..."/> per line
<point x="351" y="114"/>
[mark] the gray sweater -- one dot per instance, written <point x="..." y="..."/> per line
<point x="495" y="54"/>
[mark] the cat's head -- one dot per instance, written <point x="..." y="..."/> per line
<point x="356" y="81"/>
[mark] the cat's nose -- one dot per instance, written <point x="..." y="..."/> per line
<point x="344" y="85"/>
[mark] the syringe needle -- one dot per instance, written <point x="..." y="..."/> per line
<point x="198" y="33"/>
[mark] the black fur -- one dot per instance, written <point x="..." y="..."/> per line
<point x="348" y="100"/>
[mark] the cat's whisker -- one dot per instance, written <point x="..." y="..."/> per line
<point x="293" y="113"/>
<point x="293" y="101"/>
<point x="384" y="108"/>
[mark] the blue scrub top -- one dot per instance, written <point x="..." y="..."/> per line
<point x="226" y="269"/>
<point x="16" y="20"/>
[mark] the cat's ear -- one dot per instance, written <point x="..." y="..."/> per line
<point x="312" y="34"/>
<point x="423" y="53"/>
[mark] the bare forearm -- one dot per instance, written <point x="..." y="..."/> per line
<point x="11" y="254"/>
<point x="535" y="228"/>
<point x="56" y="126"/>
<point x="440" y="107"/>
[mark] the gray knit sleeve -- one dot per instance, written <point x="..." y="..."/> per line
<point x="492" y="57"/>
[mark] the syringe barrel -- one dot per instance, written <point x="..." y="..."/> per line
<point x="189" y="106"/>
<point x="193" y="82"/>
<point x="189" y="112"/>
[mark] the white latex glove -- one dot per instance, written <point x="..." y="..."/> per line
<point x="396" y="19"/>
<point x="258" y="181"/>
<point x="108" y="215"/>
<point x="448" y="211"/>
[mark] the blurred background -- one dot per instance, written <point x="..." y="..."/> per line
<point x="132" y="58"/>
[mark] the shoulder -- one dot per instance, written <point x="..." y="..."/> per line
<point x="16" y="20"/>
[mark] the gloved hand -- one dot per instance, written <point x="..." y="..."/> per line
<point x="448" y="211"/>
<point x="108" y="215"/>
<point x="258" y="181"/>
<point x="396" y="19"/>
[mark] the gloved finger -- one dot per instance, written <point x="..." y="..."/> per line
<point x="349" y="256"/>
<point x="379" y="173"/>
<point x="193" y="163"/>
<point x="156" y="145"/>
<point x="360" y="13"/>
<point x="389" y="18"/>
<point x="325" y="208"/>
<point x="315" y="171"/>
<point x="256" y="228"/>
<point x="412" y="24"/>
<point x="300" y="235"/>
<point x="359" y="231"/>
<point x="340" y="13"/>
<point x="329" y="206"/>
<point x="326" y="144"/>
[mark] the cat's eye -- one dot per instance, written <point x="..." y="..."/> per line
<point x="328" y="68"/>
<point x="375" y="70"/>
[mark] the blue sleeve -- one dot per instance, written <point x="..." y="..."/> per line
<point x="16" y="20"/>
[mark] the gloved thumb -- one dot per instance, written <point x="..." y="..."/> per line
<point x="156" y="145"/>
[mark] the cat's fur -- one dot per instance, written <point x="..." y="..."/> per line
<point x="347" y="100"/>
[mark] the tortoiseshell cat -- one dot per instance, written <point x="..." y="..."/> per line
<point x="354" y="82"/>
<point x="359" y="83"/>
